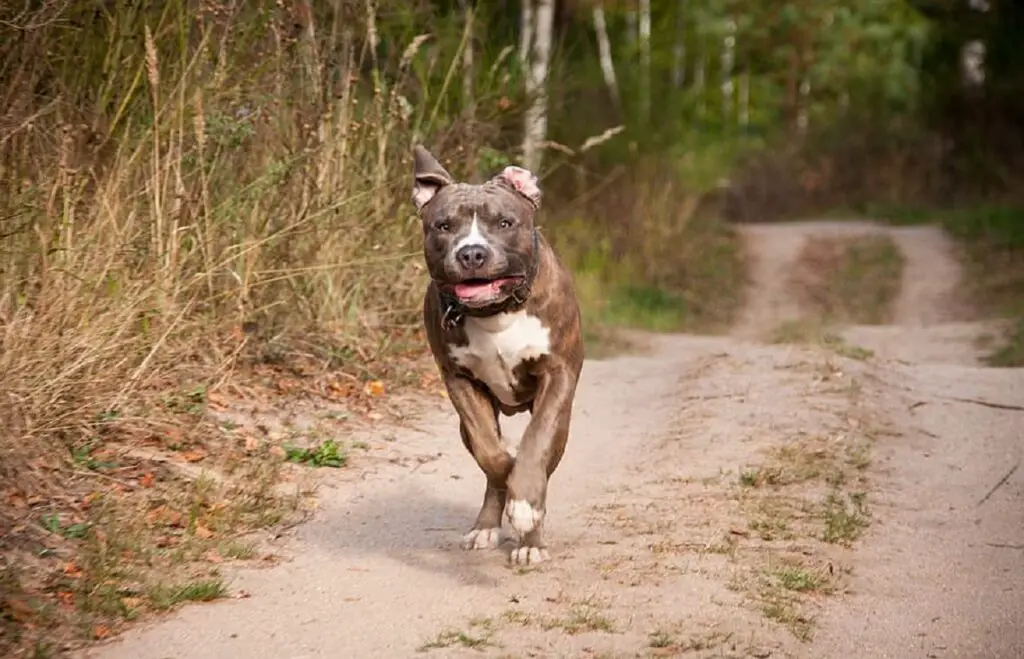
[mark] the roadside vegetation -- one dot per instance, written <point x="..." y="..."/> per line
<point x="206" y="204"/>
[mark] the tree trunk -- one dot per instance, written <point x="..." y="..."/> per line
<point x="698" y="80"/>
<point x="728" y="57"/>
<point x="679" y="47"/>
<point x="525" y="33"/>
<point x="744" y="99"/>
<point x="803" y="116"/>
<point x="604" y="48"/>
<point x="535" y="130"/>
<point x="645" y="60"/>
<point x="468" y="86"/>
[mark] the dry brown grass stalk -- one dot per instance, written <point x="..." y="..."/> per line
<point x="171" y="205"/>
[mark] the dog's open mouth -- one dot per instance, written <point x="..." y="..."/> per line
<point x="484" y="290"/>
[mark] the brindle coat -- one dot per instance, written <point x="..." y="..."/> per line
<point x="544" y="385"/>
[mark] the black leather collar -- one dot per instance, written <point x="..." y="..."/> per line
<point x="453" y="312"/>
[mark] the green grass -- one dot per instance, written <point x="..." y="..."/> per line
<point x="845" y="517"/>
<point x="1011" y="350"/>
<point x="993" y="241"/>
<point x="809" y="331"/>
<point x="206" y="590"/>
<point x="690" y="280"/>
<point x="326" y="454"/>
<point x="849" y="281"/>
<point x="798" y="579"/>
<point x="646" y="307"/>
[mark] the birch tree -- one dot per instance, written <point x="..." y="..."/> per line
<point x="645" y="60"/>
<point x="537" y="24"/>
<point x="679" y="46"/>
<point x="604" y="49"/>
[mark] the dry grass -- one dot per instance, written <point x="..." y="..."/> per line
<point x="198" y="197"/>
<point x="191" y="190"/>
<point x="814" y="331"/>
<point x="849" y="281"/>
<point x="644" y="256"/>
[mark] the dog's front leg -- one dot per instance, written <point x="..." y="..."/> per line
<point x="539" y="454"/>
<point x="481" y="435"/>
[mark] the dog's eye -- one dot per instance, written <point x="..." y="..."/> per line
<point x="505" y="224"/>
<point x="443" y="225"/>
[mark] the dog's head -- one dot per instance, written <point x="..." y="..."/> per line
<point x="478" y="240"/>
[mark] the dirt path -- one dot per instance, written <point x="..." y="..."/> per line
<point x="687" y="518"/>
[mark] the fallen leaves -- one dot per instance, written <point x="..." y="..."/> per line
<point x="216" y="401"/>
<point x="147" y="479"/>
<point x="374" y="388"/>
<point x="162" y="515"/>
<point x="16" y="500"/>
<point x="100" y="632"/>
<point x="18" y="609"/>
<point x="194" y="455"/>
<point x="66" y="599"/>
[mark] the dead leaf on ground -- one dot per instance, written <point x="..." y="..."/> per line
<point x="100" y="632"/>
<point x="216" y="401"/>
<point x="131" y="603"/>
<point x="374" y="388"/>
<point x="19" y="609"/>
<point x="164" y="515"/>
<point x="195" y="455"/>
<point x="16" y="500"/>
<point x="147" y="479"/>
<point x="66" y="599"/>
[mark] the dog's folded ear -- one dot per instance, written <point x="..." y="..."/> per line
<point x="428" y="177"/>
<point x="522" y="181"/>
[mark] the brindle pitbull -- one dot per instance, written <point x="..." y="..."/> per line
<point x="503" y="324"/>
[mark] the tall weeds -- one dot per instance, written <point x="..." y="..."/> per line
<point x="179" y="180"/>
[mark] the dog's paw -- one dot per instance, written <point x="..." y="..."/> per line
<point x="522" y="516"/>
<point x="527" y="555"/>
<point x="482" y="539"/>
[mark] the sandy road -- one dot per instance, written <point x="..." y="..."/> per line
<point x="646" y="496"/>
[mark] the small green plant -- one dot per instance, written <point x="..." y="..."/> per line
<point x="326" y="454"/>
<point x="1011" y="350"/>
<point x="784" y="611"/>
<point x="846" y="517"/>
<point x="166" y="597"/>
<point x="83" y="456"/>
<point x="798" y="579"/>
<point x="75" y="531"/>
<point x="453" y="637"/>
<point x="584" y="617"/>
<point x="660" y="639"/>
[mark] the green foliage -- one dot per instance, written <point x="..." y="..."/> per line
<point x="326" y="454"/>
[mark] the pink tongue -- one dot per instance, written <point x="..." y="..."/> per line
<point x="477" y="291"/>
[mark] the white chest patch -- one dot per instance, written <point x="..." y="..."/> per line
<point x="497" y="345"/>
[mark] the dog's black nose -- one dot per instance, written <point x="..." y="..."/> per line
<point x="472" y="257"/>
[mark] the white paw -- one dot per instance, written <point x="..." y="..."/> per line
<point x="522" y="516"/>
<point x="481" y="539"/>
<point x="528" y="556"/>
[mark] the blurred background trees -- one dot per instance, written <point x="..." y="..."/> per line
<point x="173" y="171"/>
